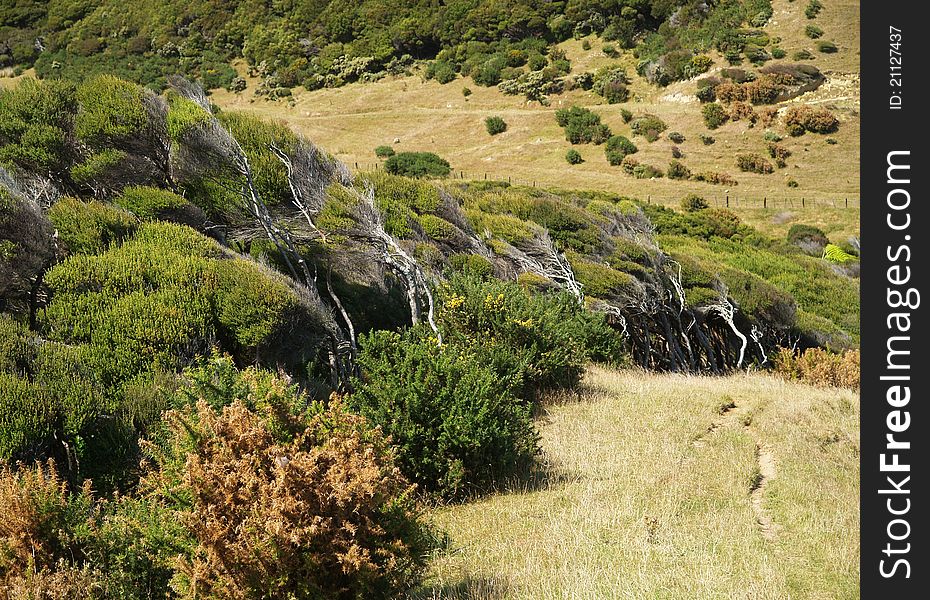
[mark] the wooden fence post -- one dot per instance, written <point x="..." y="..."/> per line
<point x="764" y="202"/>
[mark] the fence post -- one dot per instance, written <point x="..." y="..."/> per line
<point x="802" y="201"/>
<point x="485" y="176"/>
<point x="728" y="201"/>
<point x="648" y="199"/>
<point x="847" y="202"/>
<point x="764" y="202"/>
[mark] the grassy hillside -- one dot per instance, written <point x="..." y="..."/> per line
<point x="425" y="115"/>
<point x="660" y="486"/>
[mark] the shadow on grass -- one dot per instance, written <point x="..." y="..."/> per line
<point x="467" y="588"/>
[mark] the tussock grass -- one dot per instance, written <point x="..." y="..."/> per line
<point x="649" y="495"/>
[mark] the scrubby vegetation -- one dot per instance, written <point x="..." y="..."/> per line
<point x="495" y="125"/>
<point x="205" y="319"/>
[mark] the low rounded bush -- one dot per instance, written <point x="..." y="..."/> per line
<point x="676" y="137"/>
<point x="753" y="163"/>
<point x="90" y="227"/>
<point x="802" y="55"/>
<point x="495" y="125"/>
<point x="384" y="151"/>
<point x="707" y="140"/>
<point x="810" y="238"/>
<point x="693" y="203"/>
<point x="677" y="170"/>
<point x="573" y="157"/>
<point x="417" y="164"/>
<point x="799" y="119"/>
<point x="441" y="71"/>
<point x="714" y="115"/>
<point x="779" y="53"/>
<point x="648" y="126"/>
<point x="582" y="126"/>
<point x="826" y="47"/>
<point x="466" y="91"/>
<point x="617" y="148"/>
<point x="626" y="115"/>
<point x="813" y="32"/>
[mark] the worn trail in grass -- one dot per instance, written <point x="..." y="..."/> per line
<point x="664" y="486"/>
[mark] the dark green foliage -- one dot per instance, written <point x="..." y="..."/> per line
<point x="384" y="152"/>
<point x="676" y="137"/>
<point x="582" y="126"/>
<point x="573" y="157"/>
<point x="417" y="164"/>
<point x="442" y="71"/>
<point x="779" y="52"/>
<point x="714" y="115"/>
<point x="617" y="148"/>
<point x="611" y="82"/>
<point x="802" y="55"/>
<point x="155" y="204"/>
<point x="626" y="115"/>
<point x="495" y="125"/>
<point x="707" y="140"/>
<point x="471" y="265"/>
<point x="826" y="47"/>
<point x="457" y="424"/>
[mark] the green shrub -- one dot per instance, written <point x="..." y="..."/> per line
<point x="455" y="421"/>
<point x="802" y="55"/>
<point x="676" y="137"/>
<point x="648" y="126"/>
<point x="384" y="151"/>
<point x="826" y="47"/>
<point x="677" y="170"/>
<point x="792" y="183"/>
<point x="617" y="148"/>
<point x="471" y="265"/>
<point x="151" y="203"/>
<point x="90" y="227"/>
<point x="707" y="140"/>
<point x="610" y="83"/>
<point x="813" y="32"/>
<point x="626" y="115"/>
<point x="813" y="9"/>
<point x="812" y="240"/>
<point x="573" y="157"/>
<point x="714" y="115"/>
<point x="442" y="71"/>
<point x="693" y="203"/>
<point x="417" y="164"/>
<point x="582" y="126"/>
<point x="495" y="125"/>
<point x="779" y="52"/>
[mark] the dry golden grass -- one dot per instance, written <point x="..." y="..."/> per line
<point x="424" y="115"/>
<point x="649" y="494"/>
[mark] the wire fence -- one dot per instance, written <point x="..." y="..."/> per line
<point x="723" y="199"/>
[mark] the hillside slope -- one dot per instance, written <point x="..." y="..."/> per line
<point x="659" y="486"/>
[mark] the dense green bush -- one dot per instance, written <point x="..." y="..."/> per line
<point x="714" y="115"/>
<point x="495" y="125"/>
<point x="617" y="148"/>
<point x="384" y="151"/>
<point x="90" y="227"/>
<point x="611" y="82"/>
<point x="802" y="55"/>
<point x="573" y="157"/>
<point x="676" y="137"/>
<point x="626" y="115"/>
<point x="813" y="9"/>
<point x="826" y="47"/>
<point x="582" y="126"/>
<point x="417" y="164"/>
<point x="457" y="424"/>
